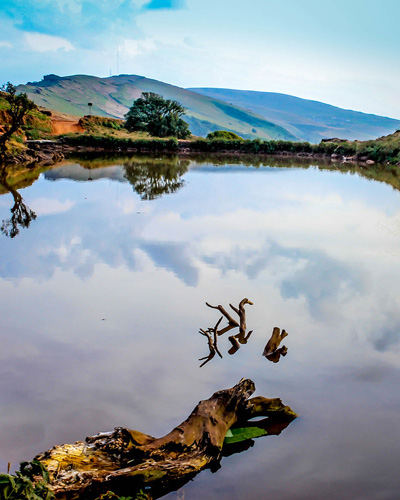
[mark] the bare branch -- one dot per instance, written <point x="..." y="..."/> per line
<point x="235" y="344"/>
<point x="232" y="322"/>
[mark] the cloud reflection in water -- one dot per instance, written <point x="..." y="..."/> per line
<point x="323" y="268"/>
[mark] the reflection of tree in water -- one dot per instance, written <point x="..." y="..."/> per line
<point x="21" y="216"/>
<point x="153" y="179"/>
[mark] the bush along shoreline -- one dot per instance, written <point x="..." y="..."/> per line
<point x="385" y="150"/>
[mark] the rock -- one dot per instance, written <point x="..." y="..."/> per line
<point x="57" y="156"/>
<point x="370" y="162"/>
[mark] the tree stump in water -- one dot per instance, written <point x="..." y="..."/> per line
<point x="125" y="461"/>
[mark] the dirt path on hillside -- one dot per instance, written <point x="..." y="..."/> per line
<point x="59" y="126"/>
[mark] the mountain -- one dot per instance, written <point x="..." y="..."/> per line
<point x="113" y="96"/>
<point x="308" y="120"/>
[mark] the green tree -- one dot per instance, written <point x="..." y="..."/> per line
<point x="224" y="135"/>
<point x="158" y="116"/>
<point x="19" y="106"/>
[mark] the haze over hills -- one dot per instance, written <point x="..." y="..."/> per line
<point x="113" y="96"/>
<point x="308" y="120"/>
<point x="250" y="114"/>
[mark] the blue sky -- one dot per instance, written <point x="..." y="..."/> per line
<point x="343" y="52"/>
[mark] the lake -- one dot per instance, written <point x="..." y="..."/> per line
<point x="103" y="295"/>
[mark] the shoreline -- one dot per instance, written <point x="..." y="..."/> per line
<point x="47" y="152"/>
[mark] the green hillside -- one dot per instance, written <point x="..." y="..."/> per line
<point x="114" y="95"/>
<point x="308" y="120"/>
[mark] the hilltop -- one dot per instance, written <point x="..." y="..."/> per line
<point x="112" y="97"/>
<point x="106" y="133"/>
<point x="308" y="120"/>
<point x="250" y="114"/>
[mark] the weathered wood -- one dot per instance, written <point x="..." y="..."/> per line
<point x="241" y="336"/>
<point x="235" y="340"/>
<point x="125" y="461"/>
<point x="235" y="344"/>
<point x="232" y="323"/>
<point x="212" y="342"/>
<point x="271" y="351"/>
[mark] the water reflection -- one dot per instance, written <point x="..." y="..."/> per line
<point x="151" y="177"/>
<point x="269" y="427"/>
<point x="145" y="163"/>
<point x="21" y="214"/>
<point x="316" y="251"/>
<point x="152" y="180"/>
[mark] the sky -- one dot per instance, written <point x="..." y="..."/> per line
<point x="342" y="52"/>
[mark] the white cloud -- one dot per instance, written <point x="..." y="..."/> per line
<point x="5" y="44"/>
<point x="136" y="47"/>
<point x="48" y="206"/>
<point x="46" y="43"/>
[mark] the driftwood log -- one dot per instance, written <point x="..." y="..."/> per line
<point x="272" y="351"/>
<point x="240" y="338"/>
<point x="125" y="461"/>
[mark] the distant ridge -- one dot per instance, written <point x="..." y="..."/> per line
<point x="308" y="120"/>
<point x="113" y="96"/>
<point x="250" y="114"/>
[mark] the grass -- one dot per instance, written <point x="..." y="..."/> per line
<point x="112" y="97"/>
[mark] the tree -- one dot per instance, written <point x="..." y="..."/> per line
<point x="158" y="116"/>
<point x="19" y="106"/>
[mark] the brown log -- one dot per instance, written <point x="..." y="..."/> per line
<point x="125" y="461"/>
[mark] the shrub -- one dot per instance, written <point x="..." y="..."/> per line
<point x="25" y="484"/>
<point x="110" y="142"/>
<point x="224" y="135"/>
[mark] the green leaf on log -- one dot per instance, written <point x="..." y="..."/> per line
<point x="243" y="434"/>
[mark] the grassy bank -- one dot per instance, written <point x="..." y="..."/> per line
<point x="111" y="143"/>
<point x="109" y="134"/>
<point x="382" y="150"/>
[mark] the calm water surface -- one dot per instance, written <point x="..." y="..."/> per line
<point x="102" y="297"/>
